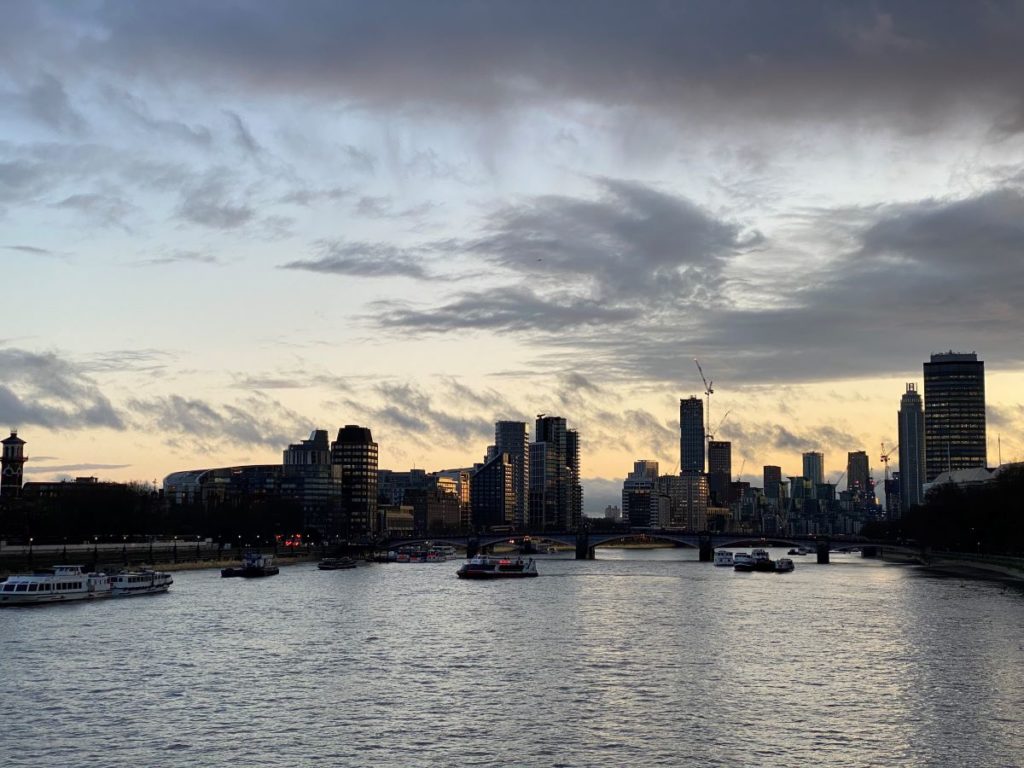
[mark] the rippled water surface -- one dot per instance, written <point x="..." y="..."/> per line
<point x="637" y="658"/>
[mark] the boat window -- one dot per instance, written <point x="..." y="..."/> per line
<point x="8" y="588"/>
<point x="20" y="587"/>
<point x="32" y="587"/>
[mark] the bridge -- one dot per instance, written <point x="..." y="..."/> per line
<point x="584" y="542"/>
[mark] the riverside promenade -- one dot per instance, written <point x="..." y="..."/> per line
<point x="958" y="563"/>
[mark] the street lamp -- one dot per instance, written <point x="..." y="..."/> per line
<point x="30" y="540"/>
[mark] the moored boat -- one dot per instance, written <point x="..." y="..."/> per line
<point x="254" y="565"/>
<point x="144" y="582"/>
<point x="484" y="567"/>
<point x="742" y="561"/>
<point x="723" y="557"/>
<point x="336" y="564"/>
<point x="61" y="583"/>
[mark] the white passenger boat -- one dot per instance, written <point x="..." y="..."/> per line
<point x="144" y="582"/>
<point x="723" y="557"/>
<point x="742" y="561"/>
<point x="58" y="584"/>
<point x="484" y="567"/>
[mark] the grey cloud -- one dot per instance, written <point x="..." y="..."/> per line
<point x="211" y="202"/>
<point x="829" y="59"/>
<point x="243" y="136"/>
<point x="306" y="197"/>
<point x="31" y="250"/>
<point x="255" y="420"/>
<point x="48" y="391"/>
<point x="138" y="112"/>
<point x="37" y="469"/>
<point x="99" y="208"/>
<point x="48" y="102"/>
<point x="364" y="260"/>
<point x="178" y="257"/>
<point x="411" y="410"/>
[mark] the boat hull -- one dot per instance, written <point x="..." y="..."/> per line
<point x="249" y="573"/>
<point x="485" y="575"/>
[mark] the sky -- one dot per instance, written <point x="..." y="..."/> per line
<point x="225" y="224"/>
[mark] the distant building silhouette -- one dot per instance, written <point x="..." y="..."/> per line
<point x="954" y="413"/>
<point x="691" y="434"/>
<point x="556" y="497"/>
<point x="911" y="442"/>
<point x="814" y="467"/>
<point x="12" y="465"/>
<point x="772" y="481"/>
<point x="492" y="494"/>
<point x="356" y="453"/>
<point x="513" y="438"/>
<point x="639" y="499"/>
<point x="858" y="473"/>
<point x="309" y="477"/>
<point x="719" y="471"/>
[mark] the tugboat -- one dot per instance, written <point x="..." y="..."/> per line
<point x="254" y="565"/>
<point x="483" y="567"/>
<point x="783" y="565"/>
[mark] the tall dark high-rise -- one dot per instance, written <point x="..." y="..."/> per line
<point x="550" y="478"/>
<point x="911" y="440"/>
<point x="572" y="461"/>
<point x="512" y="437"/>
<point x="772" y="481"/>
<point x="12" y="465"/>
<point x="356" y="453"/>
<point x="691" y="434"/>
<point x="858" y="472"/>
<point x="814" y="467"/>
<point x="311" y="479"/>
<point x="492" y="495"/>
<point x="719" y="471"/>
<point x="954" y="413"/>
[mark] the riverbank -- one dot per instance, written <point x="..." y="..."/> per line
<point x="958" y="563"/>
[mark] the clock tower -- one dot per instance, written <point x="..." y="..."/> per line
<point x="11" y="464"/>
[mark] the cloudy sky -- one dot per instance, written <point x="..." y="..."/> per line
<point x="225" y="224"/>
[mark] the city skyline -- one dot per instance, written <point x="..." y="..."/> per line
<point x="213" y="247"/>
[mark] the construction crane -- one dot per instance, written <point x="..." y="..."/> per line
<point x="708" y="392"/>
<point x="886" y="455"/>
<point x="739" y="475"/>
<point x="711" y="435"/>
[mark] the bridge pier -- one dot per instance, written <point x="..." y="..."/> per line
<point x="583" y="549"/>
<point x="823" y="549"/>
<point x="706" y="548"/>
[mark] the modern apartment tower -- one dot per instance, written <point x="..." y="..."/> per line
<point x="858" y="472"/>
<point x="639" y="497"/>
<point x="719" y="471"/>
<point x="492" y="494"/>
<point x="814" y="468"/>
<point x="911" y="438"/>
<point x="772" y="481"/>
<point x="513" y="438"/>
<point x="309" y="477"/>
<point x="691" y="434"/>
<point x="954" y="413"/>
<point x="556" y="496"/>
<point x="356" y="453"/>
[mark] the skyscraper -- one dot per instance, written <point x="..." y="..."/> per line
<point x="356" y="453"/>
<point x="814" y="468"/>
<point x="512" y="437"/>
<point x="639" y="500"/>
<point x="954" y="413"/>
<point x="719" y="471"/>
<point x="556" y="497"/>
<point x="858" y="472"/>
<point x="911" y="438"/>
<point x="772" y="481"/>
<point x="691" y="434"/>
<point x="492" y="494"/>
<point x="309" y="477"/>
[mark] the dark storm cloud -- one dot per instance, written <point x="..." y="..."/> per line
<point x="582" y="262"/>
<point x="46" y="390"/>
<point x="829" y="59"/>
<point x="364" y="260"/>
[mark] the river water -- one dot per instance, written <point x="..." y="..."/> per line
<point x="642" y="657"/>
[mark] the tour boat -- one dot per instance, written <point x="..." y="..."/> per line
<point x="783" y="565"/>
<point x="254" y="565"/>
<point x="58" y="584"/>
<point x="742" y="561"/>
<point x="484" y="567"/>
<point x="336" y="564"/>
<point x="723" y="557"/>
<point x="144" y="582"/>
<point x="799" y="551"/>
